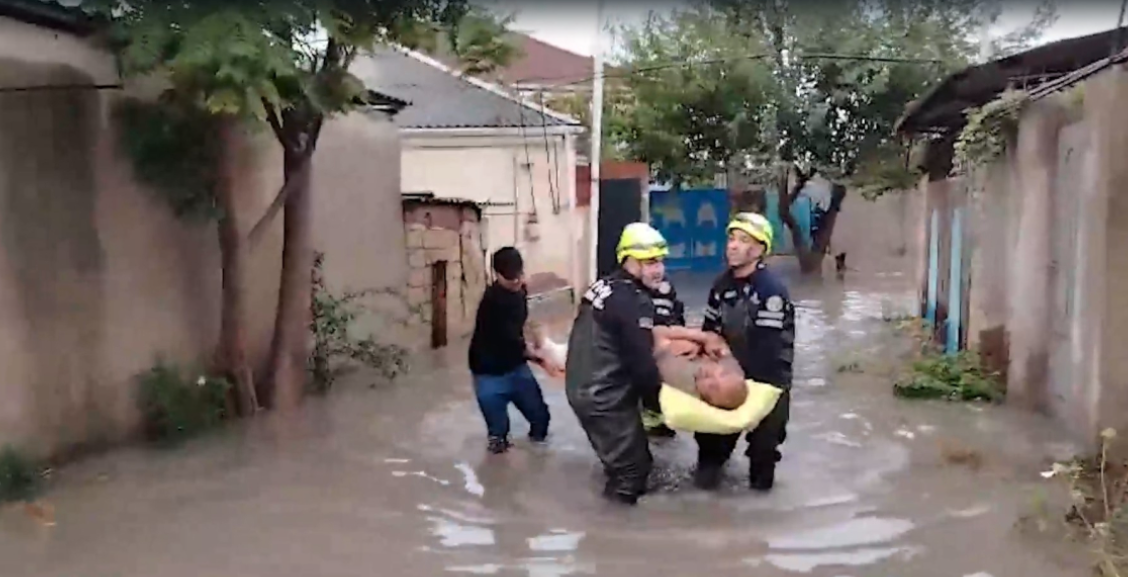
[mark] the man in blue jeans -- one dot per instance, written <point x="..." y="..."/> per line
<point x="499" y="355"/>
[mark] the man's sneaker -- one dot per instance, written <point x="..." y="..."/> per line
<point x="498" y="445"/>
<point x="538" y="440"/>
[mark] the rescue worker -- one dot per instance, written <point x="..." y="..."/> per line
<point x="610" y="367"/>
<point x="749" y="308"/>
<point x="669" y="311"/>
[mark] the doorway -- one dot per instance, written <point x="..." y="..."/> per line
<point x="439" y="304"/>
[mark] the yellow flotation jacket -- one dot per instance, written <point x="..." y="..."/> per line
<point x="684" y="412"/>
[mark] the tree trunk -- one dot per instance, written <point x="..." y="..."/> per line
<point x="291" y="345"/>
<point x="821" y="243"/>
<point x="231" y="354"/>
<point x="788" y="194"/>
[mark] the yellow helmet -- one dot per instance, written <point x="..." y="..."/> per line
<point x="755" y="225"/>
<point x="641" y="241"/>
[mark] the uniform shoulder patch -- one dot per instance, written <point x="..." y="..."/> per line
<point x="774" y="303"/>
<point x="664" y="288"/>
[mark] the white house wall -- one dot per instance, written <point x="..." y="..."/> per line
<point x="514" y="177"/>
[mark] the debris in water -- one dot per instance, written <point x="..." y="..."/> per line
<point x="957" y="455"/>
<point x="41" y="511"/>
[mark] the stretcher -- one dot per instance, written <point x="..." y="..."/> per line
<point x="684" y="412"/>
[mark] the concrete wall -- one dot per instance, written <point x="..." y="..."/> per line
<point x="880" y="236"/>
<point x="98" y="278"/>
<point x="514" y="178"/>
<point x="1048" y="296"/>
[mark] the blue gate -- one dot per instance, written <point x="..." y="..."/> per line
<point x="693" y="222"/>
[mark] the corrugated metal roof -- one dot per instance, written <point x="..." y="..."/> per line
<point x="67" y="15"/>
<point x="942" y="109"/>
<point x="441" y="98"/>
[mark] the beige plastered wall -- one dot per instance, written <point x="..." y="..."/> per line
<point x="98" y="278"/>
<point x="1049" y="270"/>
<point x="514" y="177"/>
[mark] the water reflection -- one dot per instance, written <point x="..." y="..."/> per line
<point x="401" y="474"/>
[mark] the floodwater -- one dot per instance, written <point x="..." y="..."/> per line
<point x="396" y="481"/>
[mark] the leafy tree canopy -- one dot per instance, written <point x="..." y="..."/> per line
<point x="731" y="84"/>
<point x="287" y="61"/>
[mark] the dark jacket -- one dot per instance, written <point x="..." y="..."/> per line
<point x="498" y="344"/>
<point x="669" y="311"/>
<point x="756" y="317"/>
<point x="611" y="349"/>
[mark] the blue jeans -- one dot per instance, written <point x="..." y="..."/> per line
<point x="519" y="387"/>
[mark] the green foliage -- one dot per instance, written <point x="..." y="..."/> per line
<point x="334" y="346"/>
<point x="958" y="377"/>
<point x="285" y="61"/>
<point x="172" y="150"/>
<point x="176" y="407"/>
<point x="988" y="131"/>
<point x="19" y="476"/>
<point x="690" y="122"/>
<point x="817" y="84"/>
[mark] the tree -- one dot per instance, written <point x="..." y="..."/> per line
<point x="285" y="64"/>
<point x="838" y="77"/>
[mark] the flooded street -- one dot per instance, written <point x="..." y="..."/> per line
<point x="396" y="481"/>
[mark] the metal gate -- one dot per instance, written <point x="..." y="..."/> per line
<point x="693" y="222"/>
<point x="620" y="203"/>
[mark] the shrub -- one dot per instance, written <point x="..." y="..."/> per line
<point x="958" y="377"/>
<point x="19" y="476"/>
<point x="334" y="345"/>
<point x="175" y="407"/>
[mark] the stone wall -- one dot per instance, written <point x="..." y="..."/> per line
<point x="451" y="233"/>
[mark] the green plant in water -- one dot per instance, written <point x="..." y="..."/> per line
<point x="19" y="476"/>
<point x="958" y="377"/>
<point x="334" y="346"/>
<point x="176" y="407"/>
<point x="988" y="130"/>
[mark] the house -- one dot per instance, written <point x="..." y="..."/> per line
<point x="539" y="68"/>
<point x="464" y="138"/>
<point x="1023" y="255"/>
<point x="98" y="278"/>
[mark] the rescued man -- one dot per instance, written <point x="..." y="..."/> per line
<point x="749" y="307"/>
<point x="610" y="366"/>
<point x="669" y="311"/>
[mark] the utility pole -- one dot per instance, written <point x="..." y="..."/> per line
<point x="596" y="144"/>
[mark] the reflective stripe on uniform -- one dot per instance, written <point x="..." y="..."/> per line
<point x="768" y="323"/>
<point x="712" y="313"/>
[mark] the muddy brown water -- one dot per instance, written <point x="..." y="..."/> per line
<point x="396" y="481"/>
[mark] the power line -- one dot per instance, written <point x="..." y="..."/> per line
<point x="628" y="72"/>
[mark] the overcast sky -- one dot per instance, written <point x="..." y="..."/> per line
<point x="572" y="25"/>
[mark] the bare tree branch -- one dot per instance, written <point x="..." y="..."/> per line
<point x="276" y="205"/>
<point x="275" y="123"/>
